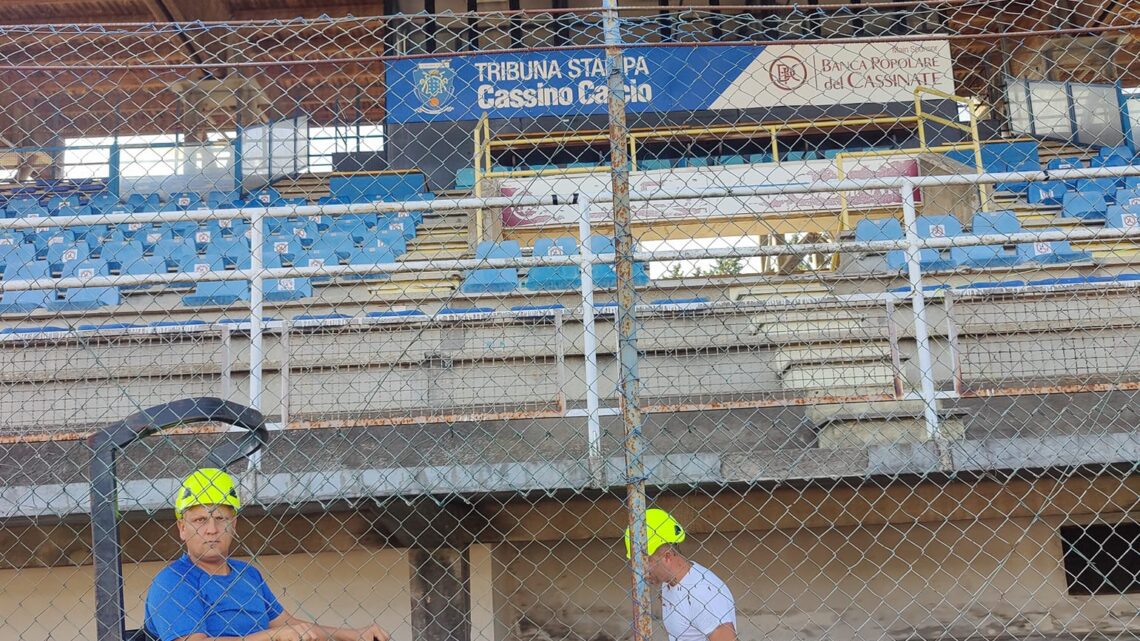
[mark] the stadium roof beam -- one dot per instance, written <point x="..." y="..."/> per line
<point x="202" y="47"/>
<point x="359" y="10"/>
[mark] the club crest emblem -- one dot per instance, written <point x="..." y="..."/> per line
<point x="435" y="86"/>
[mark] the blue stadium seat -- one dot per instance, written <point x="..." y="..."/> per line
<point x="1103" y="186"/>
<point x="654" y="164"/>
<point x="45" y="329"/>
<point x="464" y="311"/>
<point x="11" y="244"/>
<point x="552" y="277"/>
<point x="485" y="281"/>
<point x="235" y="249"/>
<point x="330" y="243"/>
<point x="45" y="240"/>
<point x="992" y="284"/>
<point x="222" y="199"/>
<point x="371" y="187"/>
<point x="79" y="298"/>
<point x="284" y="289"/>
<point x="148" y="266"/>
<point x="21" y="266"/>
<point x="35" y="212"/>
<point x="129" y="258"/>
<point x="227" y="228"/>
<point x="106" y="327"/>
<point x="55" y="203"/>
<point x="203" y="237"/>
<point x="1122" y="217"/>
<point x="1127" y="196"/>
<point x="1084" y="204"/>
<point x="1071" y="280"/>
<point x="265" y="197"/>
<point x="60" y="253"/>
<point x="321" y="317"/>
<point x="68" y="210"/>
<point x="393" y="241"/>
<point x="731" y="160"/>
<point x="1065" y="163"/>
<point x="1050" y="193"/>
<point x="538" y="311"/>
<point x="369" y="255"/>
<point x="304" y="231"/>
<point x="1122" y="152"/>
<point x="185" y="200"/>
<point x="408" y="314"/>
<point x="760" y="159"/>
<point x="937" y="227"/>
<point x="1058" y="251"/>
<point x="214" y="293"/>
<point x="353" y="223"/>
<point x="325" y="252"/>
<point x="696" y="300"/>
<point x="153" y="237"/>
<point x="143" y="202"/>
<point x="18" y="205"/>
<point x="284" y="248"/>
<point x="867" y="230"/>
<point x="1001" y="157"/>
<point x="465" y="178"/>
<point x="927" y="289"/>
<point x="604" y="274"/>
<point x="120" y="255"/>
<point x="405" y="222"/>
<point x="177" y="254"/>
<point x="1112" y="160"/>
<point x="102" y="202"/>
<point x="982" y="256"/>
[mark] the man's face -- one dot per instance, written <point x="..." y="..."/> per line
<point x="657" y="566"/>
<point x="208" y="532"/>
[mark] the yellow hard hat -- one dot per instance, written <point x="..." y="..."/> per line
<point x="662" y="529"/>
<point x="207" y="486"/>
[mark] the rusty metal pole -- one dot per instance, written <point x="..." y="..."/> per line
<point x="627" y="323"/>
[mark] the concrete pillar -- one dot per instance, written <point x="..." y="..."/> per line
<point x="441" y="594"/>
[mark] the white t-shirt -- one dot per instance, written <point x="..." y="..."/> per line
<point x="697" y="605"/>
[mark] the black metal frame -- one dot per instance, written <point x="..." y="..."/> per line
<point x="106" y="445"/>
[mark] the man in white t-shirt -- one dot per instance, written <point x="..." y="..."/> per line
<point x="695" y="604"/>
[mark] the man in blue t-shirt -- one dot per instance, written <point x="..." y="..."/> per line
<point x="205" y="595"/>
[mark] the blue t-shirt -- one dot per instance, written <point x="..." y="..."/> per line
<point x="184" y="599"/>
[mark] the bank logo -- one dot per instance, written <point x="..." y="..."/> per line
<point x="435" y="87"/>
<point x="788" y="73"/>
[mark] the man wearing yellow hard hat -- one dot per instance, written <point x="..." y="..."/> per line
<point x="695" y="604"/>
<point x="205" y="595"/>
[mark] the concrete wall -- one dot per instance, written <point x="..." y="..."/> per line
<point x="974" y="578"/>
<point x="981" y="579"/>
<point x="366" y="372"/>
<point x="351" y="588"/>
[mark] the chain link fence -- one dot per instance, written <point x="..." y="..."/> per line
<point x="848" y="290"/>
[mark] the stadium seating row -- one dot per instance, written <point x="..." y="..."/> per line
<point x="190" y="247"/>
<point x="520" y="311"/>
<point x="1001" y="157"/>
<point x="981" y="256"/>
<point x="342" y="189"/>
<point x="105" y="202"/>
<point x="545" y="278"/>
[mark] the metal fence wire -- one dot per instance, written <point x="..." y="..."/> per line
<point x="833" y="306"/>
